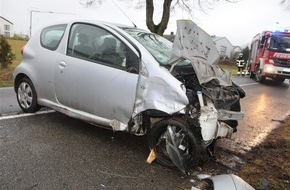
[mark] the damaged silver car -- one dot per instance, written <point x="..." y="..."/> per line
<point x="127" y="79"/>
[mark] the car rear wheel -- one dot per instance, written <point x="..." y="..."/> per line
<point x="26" y="95"/>
<point x="157" y="141"/>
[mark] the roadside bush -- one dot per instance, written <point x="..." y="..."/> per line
<point x="6" y="55"/>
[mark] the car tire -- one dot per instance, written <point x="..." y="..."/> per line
<point x="26" y="95"/>
<point x="157" y="141"/>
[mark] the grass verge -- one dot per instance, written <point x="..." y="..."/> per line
<point x="268" y="165"/>
<point x="231" y="68"/>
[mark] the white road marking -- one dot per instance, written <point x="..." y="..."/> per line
<point x="4" y="117"/>
<point x="249" y="84"/>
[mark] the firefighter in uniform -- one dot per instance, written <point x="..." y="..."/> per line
<point x="241" y="64"/>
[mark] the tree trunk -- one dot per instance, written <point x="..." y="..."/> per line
<point x="161" y="27"/>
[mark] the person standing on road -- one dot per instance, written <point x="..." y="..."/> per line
<point x="240" y="64"/>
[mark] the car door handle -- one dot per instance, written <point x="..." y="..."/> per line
<point x="62" y="65"/>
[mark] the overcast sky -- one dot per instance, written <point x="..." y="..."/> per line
<point x="239" y="22"/>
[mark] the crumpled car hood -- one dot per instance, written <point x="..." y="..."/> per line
<point x="194" y="44"/>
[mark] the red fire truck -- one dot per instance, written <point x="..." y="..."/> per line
<point x="270" y="56"/>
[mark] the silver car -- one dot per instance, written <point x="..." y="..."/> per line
<point x="127" y="79"/>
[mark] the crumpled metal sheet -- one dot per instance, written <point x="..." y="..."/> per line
<point x="196" y="45"/>
<point x="160" y="94"/>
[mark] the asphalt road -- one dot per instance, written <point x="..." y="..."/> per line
<point x="53" y="151"/>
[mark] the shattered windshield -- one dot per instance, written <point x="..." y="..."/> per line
<point x="159" y="47"/>
<point x="280" y="43"/>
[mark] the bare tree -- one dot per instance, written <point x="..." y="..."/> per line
<point x="167" y="7"/>
<point x="285" y="3"/>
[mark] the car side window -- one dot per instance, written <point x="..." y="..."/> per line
<point x="51" y="36"/>
<point x="100" y="46"/>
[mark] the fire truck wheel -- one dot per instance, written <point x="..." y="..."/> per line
<point x="259" y="77"/>
<point x="279" y="80"/>
<point x="252" y="74"/>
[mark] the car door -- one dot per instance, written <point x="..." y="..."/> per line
<point x="92" y="76"/>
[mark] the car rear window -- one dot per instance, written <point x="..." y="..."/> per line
<point x="51" y="36"/>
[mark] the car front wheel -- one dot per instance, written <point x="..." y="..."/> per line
<point x="190" y="142"/>
<point x="26" y="95"/>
